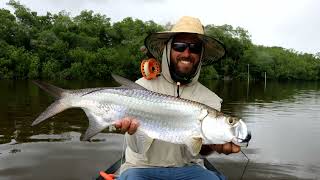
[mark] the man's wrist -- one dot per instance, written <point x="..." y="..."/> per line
<point x="206" y="150"/>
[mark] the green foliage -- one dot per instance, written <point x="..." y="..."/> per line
<point x="236" y="42"/>
<point x="89" y="46"/>
<point x="50" y="69"/>
<point x="34" y="67"/>
<point x="207" y="73"/>
<point x="279" y="63"/>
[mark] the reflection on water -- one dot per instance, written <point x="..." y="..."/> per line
<point x="284" y="119"/>
<point x="59" y="160"/>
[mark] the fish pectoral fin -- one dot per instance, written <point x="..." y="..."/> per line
<point x="194" y="144"/>
<point x="96" y="125"/>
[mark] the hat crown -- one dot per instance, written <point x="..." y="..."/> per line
<point x="189" y="25"/>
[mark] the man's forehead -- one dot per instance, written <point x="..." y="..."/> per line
<point x="187" y="37"/>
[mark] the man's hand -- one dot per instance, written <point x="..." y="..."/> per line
<point x="127" y="124"/>
<point x="227" y="148"/>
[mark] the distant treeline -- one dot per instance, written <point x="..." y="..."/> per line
<point x="89" y="46"/>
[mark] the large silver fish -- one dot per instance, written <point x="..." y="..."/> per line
<point x="163" y="117"/>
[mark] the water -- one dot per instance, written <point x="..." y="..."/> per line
<point x="284" y="119"/>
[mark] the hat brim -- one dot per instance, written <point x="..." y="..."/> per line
<point x="213" y="48"/>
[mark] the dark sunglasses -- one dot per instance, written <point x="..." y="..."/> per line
<point x="195" y="48"/>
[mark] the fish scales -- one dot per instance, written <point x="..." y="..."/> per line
<point x="178" y="117"/>
<point x="162" y="117"/>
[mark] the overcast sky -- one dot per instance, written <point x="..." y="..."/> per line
<point x="287" y="23"/>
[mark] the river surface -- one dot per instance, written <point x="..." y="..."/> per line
<point x="284" y="118"/>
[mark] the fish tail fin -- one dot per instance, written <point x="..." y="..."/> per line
<point x="56" y="107"/>
<point x="52" y="110"/>
<point x="51" y="89"/>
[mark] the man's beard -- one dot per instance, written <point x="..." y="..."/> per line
<point x="184" y="74"/>
<point x="183" y="77"/>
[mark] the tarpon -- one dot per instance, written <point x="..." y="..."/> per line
<point x="160" y="116"/>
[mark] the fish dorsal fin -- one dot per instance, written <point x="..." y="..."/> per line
<point x="126" y="82"/>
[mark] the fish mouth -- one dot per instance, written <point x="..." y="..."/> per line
<point x="242" y="135"/>
<point x="242" y="142"/>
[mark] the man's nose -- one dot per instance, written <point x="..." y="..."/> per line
<point x="186" y="52"/>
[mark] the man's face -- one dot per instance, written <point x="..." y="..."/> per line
<point x="185" y="53"/>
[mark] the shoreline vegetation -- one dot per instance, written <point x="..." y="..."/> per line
<point x="89" y="46"/>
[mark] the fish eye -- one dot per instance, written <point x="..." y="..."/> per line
<point x="232" y="120"/>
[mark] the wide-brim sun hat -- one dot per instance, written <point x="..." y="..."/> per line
<point x="213" y="48"/>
